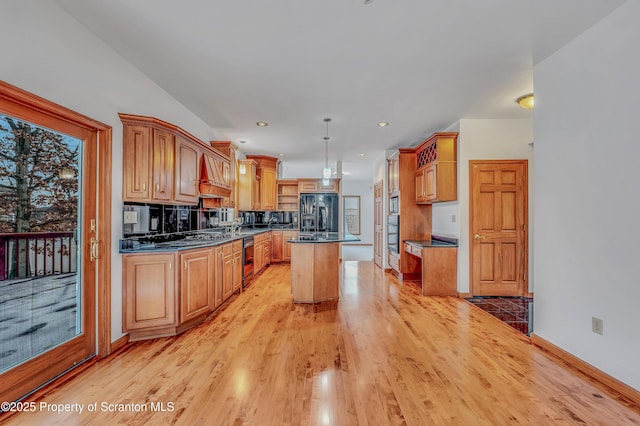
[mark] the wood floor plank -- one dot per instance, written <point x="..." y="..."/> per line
<point x="381" y="355"/>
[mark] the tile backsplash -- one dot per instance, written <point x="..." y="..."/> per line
<point x="156" y="219"/>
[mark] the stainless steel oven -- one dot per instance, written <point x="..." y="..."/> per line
<point x="393" y="233"/>
<point x="247" y="260"/>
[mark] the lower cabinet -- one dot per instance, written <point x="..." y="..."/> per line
<point x="286" y="247"/>
<point x="276" y="246"/>
<point x="262" y="251"/>
<point x="164" y="294"/>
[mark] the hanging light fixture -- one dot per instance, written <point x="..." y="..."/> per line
<point x="326" y="171"/>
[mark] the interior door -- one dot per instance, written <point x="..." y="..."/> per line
<point x="377" y="224"/>
<point x="498" y="227"/>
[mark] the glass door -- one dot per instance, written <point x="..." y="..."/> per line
<point x="47" y="279"/>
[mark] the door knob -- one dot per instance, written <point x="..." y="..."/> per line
<point x="479" y="237"/>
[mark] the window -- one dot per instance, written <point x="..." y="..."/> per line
<point x="351" y="209"/>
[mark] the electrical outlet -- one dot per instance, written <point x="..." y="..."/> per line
<point x="130" y="217"/>
<point x="453" y="218"/>
<point x="596" y="325"/>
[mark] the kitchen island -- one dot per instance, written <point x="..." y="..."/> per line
<point x="315" y="266"/>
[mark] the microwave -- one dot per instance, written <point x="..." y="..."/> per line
<point x="393" y="205"/>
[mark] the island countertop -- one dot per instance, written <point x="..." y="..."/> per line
<point x="323" y="237"/>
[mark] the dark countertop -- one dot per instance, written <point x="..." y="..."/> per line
<point x="435" y="241"/>
<point x="184" y="244"/>
<point x="324" y="237"/>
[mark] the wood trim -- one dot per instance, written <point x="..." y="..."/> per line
<point x="119" y="343"/>
<point x="525" y="189"/>
<point x="572" y="361"/>
<point x="103" y="232"/>
<point x="27" y="106"/>
<point x="464" y="295"/>
<point x="355" y="245"/>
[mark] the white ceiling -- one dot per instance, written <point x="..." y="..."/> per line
<point x="421" y="65"/>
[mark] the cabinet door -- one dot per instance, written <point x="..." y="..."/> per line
<point x="267" y="249"/>
<point x="218" y="281"/>
<point x="136" y="151"/>
<point x="430" y="183"/>
<point x="187" y="171"/>
<point x="163" y="165"/>
<point x="237" y="269"/>
<point x="420" y="186"/>
<point x="195" y="275"/>
<point x="258" y="256"/>
<point x="276" y="246"/>
<point x="286" y="247"/>
<point x="149" y="291"/>
<point x="227" y="281"/>
<point x="307" y="186"/>
<point x="268" y="189"/>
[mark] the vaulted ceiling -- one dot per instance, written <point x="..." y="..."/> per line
<point x="418" y="64"/>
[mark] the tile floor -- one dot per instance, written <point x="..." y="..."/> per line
<point x="514" y="311"/>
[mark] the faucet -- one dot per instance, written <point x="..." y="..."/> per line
<point x="272" y="221"/>
<point x="234" y="227"/>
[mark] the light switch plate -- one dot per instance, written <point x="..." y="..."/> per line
<point x="130" y="217"/>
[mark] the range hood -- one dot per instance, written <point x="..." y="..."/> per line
<point x="214" y="177"/>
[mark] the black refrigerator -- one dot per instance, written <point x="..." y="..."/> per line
<point x="319" y="212"/>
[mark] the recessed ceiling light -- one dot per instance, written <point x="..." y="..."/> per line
<point x="281" y="154"/>
<point x="262" y="124"/>
<point x="383" y="124"/>
<point x="362" y="154"/>
<point x="242" y="141"/>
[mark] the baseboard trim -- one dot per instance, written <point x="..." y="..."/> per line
<point x="615" y="385"/>
<point x="464" y="295"/>
<point x="119" y="343"/>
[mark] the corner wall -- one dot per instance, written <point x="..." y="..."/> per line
<point x="587" y="204"/>
<point x="482" y="139"/>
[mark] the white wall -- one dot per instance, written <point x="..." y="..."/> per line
<point x="363" y="188"/>
<point x="48" y="53"/>
<point x="587" y="206"/>
<point x="482" y="139"/>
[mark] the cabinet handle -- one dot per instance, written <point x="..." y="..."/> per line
<point x="144" y="186"/>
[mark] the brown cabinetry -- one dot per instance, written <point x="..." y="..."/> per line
<point x="414" y="221"/>
<point x="187" y="165"/>
<point x="248" y="185"/>
<point x="150" y="299"/>
<point x="436" y="168"/>
<point x="287" y="192"/>
<point x="318" y="185"/>
<point x="262" y="251"/>
<point x="196" y="278"/>
<point x="167" y="293"/>
<point x="266" y="170"/>
<point x="286" y="246"/>
<point x="276" y="246"/>
<point x="229" y="149"/>
<point x="148" y="166"/>
<point x="215" y="177"/>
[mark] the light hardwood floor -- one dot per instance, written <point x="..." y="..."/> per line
<point x="381" y="355"/>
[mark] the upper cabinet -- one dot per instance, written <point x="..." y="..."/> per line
<point x="229" y="149"/>
<point x="318" y="185"/>
<point x="248" y="185"/>
<point x="436" y="174"/>
<point x="164" y="164"/>
<point x="187" y="162"/>
<point x="149" y="158"/>
<point x="393" y="173"/>
<point x="265" y="182"/>
<point x="287" y="194"/>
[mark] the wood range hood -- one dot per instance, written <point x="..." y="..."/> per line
<point x="214" y="177"/>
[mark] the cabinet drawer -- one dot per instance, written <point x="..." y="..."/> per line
<point x="394" y="262"/>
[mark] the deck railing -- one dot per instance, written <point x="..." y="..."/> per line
<point x="37" y="254"/>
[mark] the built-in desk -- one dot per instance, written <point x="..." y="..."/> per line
<point x="439" y="265"/>
<point x="315" y="266"/>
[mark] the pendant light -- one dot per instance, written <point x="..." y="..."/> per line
<point x="326" y="171"/>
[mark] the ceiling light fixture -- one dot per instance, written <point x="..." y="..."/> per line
<point x="262" y="124"/>
<point x="362" y="154"/>
<point x="281" y="154"/>
<point x="526" y="101"/>
<point x="326" y="171"/>
<point x="242" y="141"/>
<point x="383" y="124"/>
